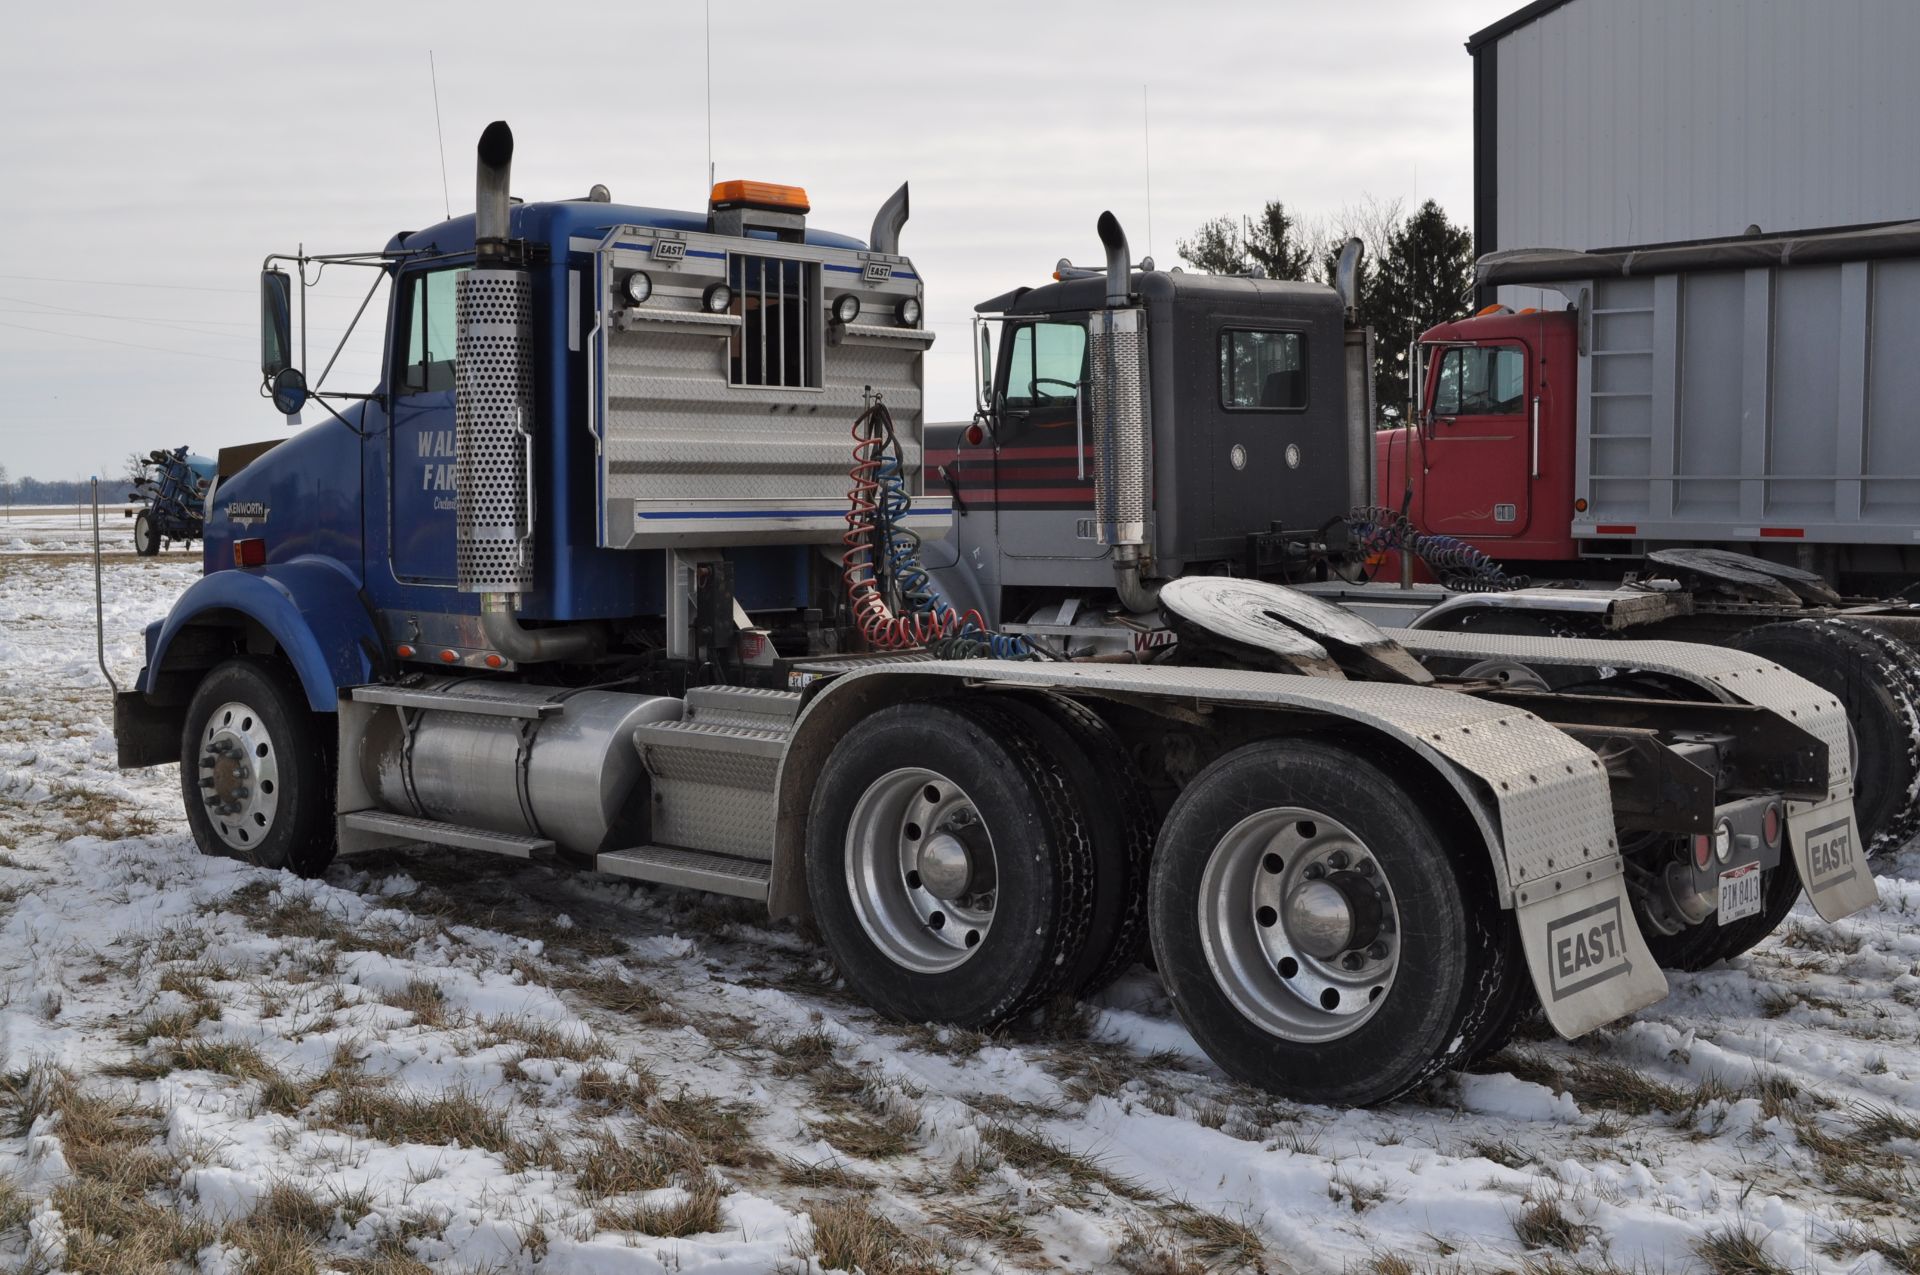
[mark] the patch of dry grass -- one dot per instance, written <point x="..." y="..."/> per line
<point x="1216" y="1239"/>
<point x="996" y="1223"/>
<point x="822" y="1175"/>
<point x="602" y="1089"/>
<point x="391" y="1115"/>
<point x="849" y="1236"/>
<point x="1145" y="1250"/>
<point x="423" y="999"/>
<point x="717" y="1130"/>
<point x="301" y="916"/>
<point x="607" y="1166"/>
<point x="1736" y="1251"/>
<point x="607" y="990"/>
<point x="542" y="1040"/>
<point x="697" y="1212"/>
<point x="871" y="1137"/>
<point x="1543" y="1223"/>
<point x="1033" y="1153"/>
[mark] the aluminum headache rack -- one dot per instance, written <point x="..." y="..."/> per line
<point x="722" y="402"/>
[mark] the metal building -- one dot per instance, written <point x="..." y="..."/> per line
<point x="1604" y="123"/>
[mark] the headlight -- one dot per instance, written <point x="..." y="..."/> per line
<point x="639" y="287"/>
<point x="846" y="308"/>
<point x="717" y="298"/>
<point x="910" y="312"/>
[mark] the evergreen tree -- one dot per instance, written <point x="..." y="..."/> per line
<point x="1424" y="277"/>
<point x="1275" y="246"/>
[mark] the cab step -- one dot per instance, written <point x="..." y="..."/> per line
<point x="698" y="869"/>
<point x="405" y="828"/>
<point x="747" y="706"/>
<point x="713" y="780"/>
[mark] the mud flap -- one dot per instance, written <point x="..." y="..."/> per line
<point x="1584" y="948"/>
<point x="1832" y="862"/>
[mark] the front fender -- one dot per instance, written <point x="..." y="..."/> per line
<point x="312" y="609"/>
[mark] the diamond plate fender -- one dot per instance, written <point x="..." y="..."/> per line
<point x="1539" y="798"/>
<point x="1822" y="835"/>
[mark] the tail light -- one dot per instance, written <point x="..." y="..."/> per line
<point x="1702" y="850"/>
<point x="1771" y="825"/>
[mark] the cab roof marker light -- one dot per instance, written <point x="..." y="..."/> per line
<point x="752" y="194"/>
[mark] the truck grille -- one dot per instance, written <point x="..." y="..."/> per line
<point x="777" y="343"/>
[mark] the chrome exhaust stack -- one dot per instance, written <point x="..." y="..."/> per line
<point x="1346" y="277"/>
<point x="887" y="223"/>
<point x="1121" y="421"/>
<point x="493" y="417"/>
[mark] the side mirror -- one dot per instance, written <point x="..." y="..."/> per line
<point x="983" y="367"/>
<point x="289" y="391"/>
<point x="276" y="323"/>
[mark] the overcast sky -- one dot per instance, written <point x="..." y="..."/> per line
<point x="153" y="154"/>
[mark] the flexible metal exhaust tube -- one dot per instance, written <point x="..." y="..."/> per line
<point x="492" y="207"/>
<point x="1346" y="275"/>
<point x="1119" y="260"/>
<point x="1136" y="595"/>
<point x="535" y="646"/>
<point x="888" y="221"/>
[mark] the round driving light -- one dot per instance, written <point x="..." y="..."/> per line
<point x="717" y="298"/>
<point x="1722" y="840"/>
<point x="910" y="312"/>
<point x="1770" y="824"/>
<point x="639" y="287"/>
<point x="846" y="308"/>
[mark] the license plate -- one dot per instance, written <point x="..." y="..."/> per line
<point x="1739" y="892"/>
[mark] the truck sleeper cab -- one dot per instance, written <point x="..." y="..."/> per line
<point x="1357" y="859"/>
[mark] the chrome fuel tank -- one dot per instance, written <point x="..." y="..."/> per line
<point x="562" y="766"/>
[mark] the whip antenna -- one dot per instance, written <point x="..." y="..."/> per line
<point x="1146" y="141"/>
<point x="709" y="14"/>
<point x="434" y="75"/>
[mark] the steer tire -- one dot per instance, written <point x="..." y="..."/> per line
<point x="1454" y="944"/>
<point x="1024" y="799"/>
<point x="1120" y="829"/>
<point x="1875" y="678"/>
<point x="298" y="744"/>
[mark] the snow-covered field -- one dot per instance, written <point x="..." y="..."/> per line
<point x="65" y="529"/>
<point x="428" y="1061"/>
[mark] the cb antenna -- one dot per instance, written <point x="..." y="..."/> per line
<point x="1146" y="140"/>
<point x="709" y="16"/>
<point x="434" y="74"/>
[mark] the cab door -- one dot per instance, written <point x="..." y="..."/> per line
<point x="421" y="508"/>
<point x="1043" y="455"/>
<point x="1478" y="459"/>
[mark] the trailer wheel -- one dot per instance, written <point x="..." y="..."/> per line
<point x="1313" y="930"/>
<point x="256" y="769"/>
<point x="146" y="534"/>
<point x="1875" y="678"/>
<point x="1120" y="826"/>
<point x="948" y="864"/>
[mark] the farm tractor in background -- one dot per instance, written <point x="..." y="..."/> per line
<point x="168" y="499"/>
<point x="639" y="559"/>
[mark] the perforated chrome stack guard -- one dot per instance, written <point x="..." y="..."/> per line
<point x="493" y="431"/>
<point x="1117" y="366"/>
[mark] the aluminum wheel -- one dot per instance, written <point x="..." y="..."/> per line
<point x="1299" y="924"/>
<point x="239" y="775"/>
<point x="921" y="870"/>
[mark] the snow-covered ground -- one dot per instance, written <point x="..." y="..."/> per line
<point x="66" y="529"/>
<point x="429" y="1061"/>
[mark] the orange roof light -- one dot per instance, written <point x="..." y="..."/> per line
<point x="759" y="195"/>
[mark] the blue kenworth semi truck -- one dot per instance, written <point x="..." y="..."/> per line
<point x="619" y="566"/>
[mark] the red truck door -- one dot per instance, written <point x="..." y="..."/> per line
<point x="1478" y="458"/>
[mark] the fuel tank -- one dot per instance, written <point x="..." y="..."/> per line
<point x="570" y="774"/>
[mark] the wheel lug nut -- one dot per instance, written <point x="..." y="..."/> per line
<point x="1364" y="867"/>
<point x="1352" y="961"/>
<point x="1377" y="950"/>
<point x="1337" y="860"/>
<point x="1315" y="871"/>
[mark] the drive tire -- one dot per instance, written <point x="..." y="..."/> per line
<point x="146" y="534"/>
<point x="1875" y="678"/>
<point x="294" y="828"/>
<point x="1454" y="944"/>
<point x="1022" y="798"/>
<point x="1120" y="828"/>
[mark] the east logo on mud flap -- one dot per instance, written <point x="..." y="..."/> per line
<point x="1830" y="857"/>
<point x="1587" y="947"/>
